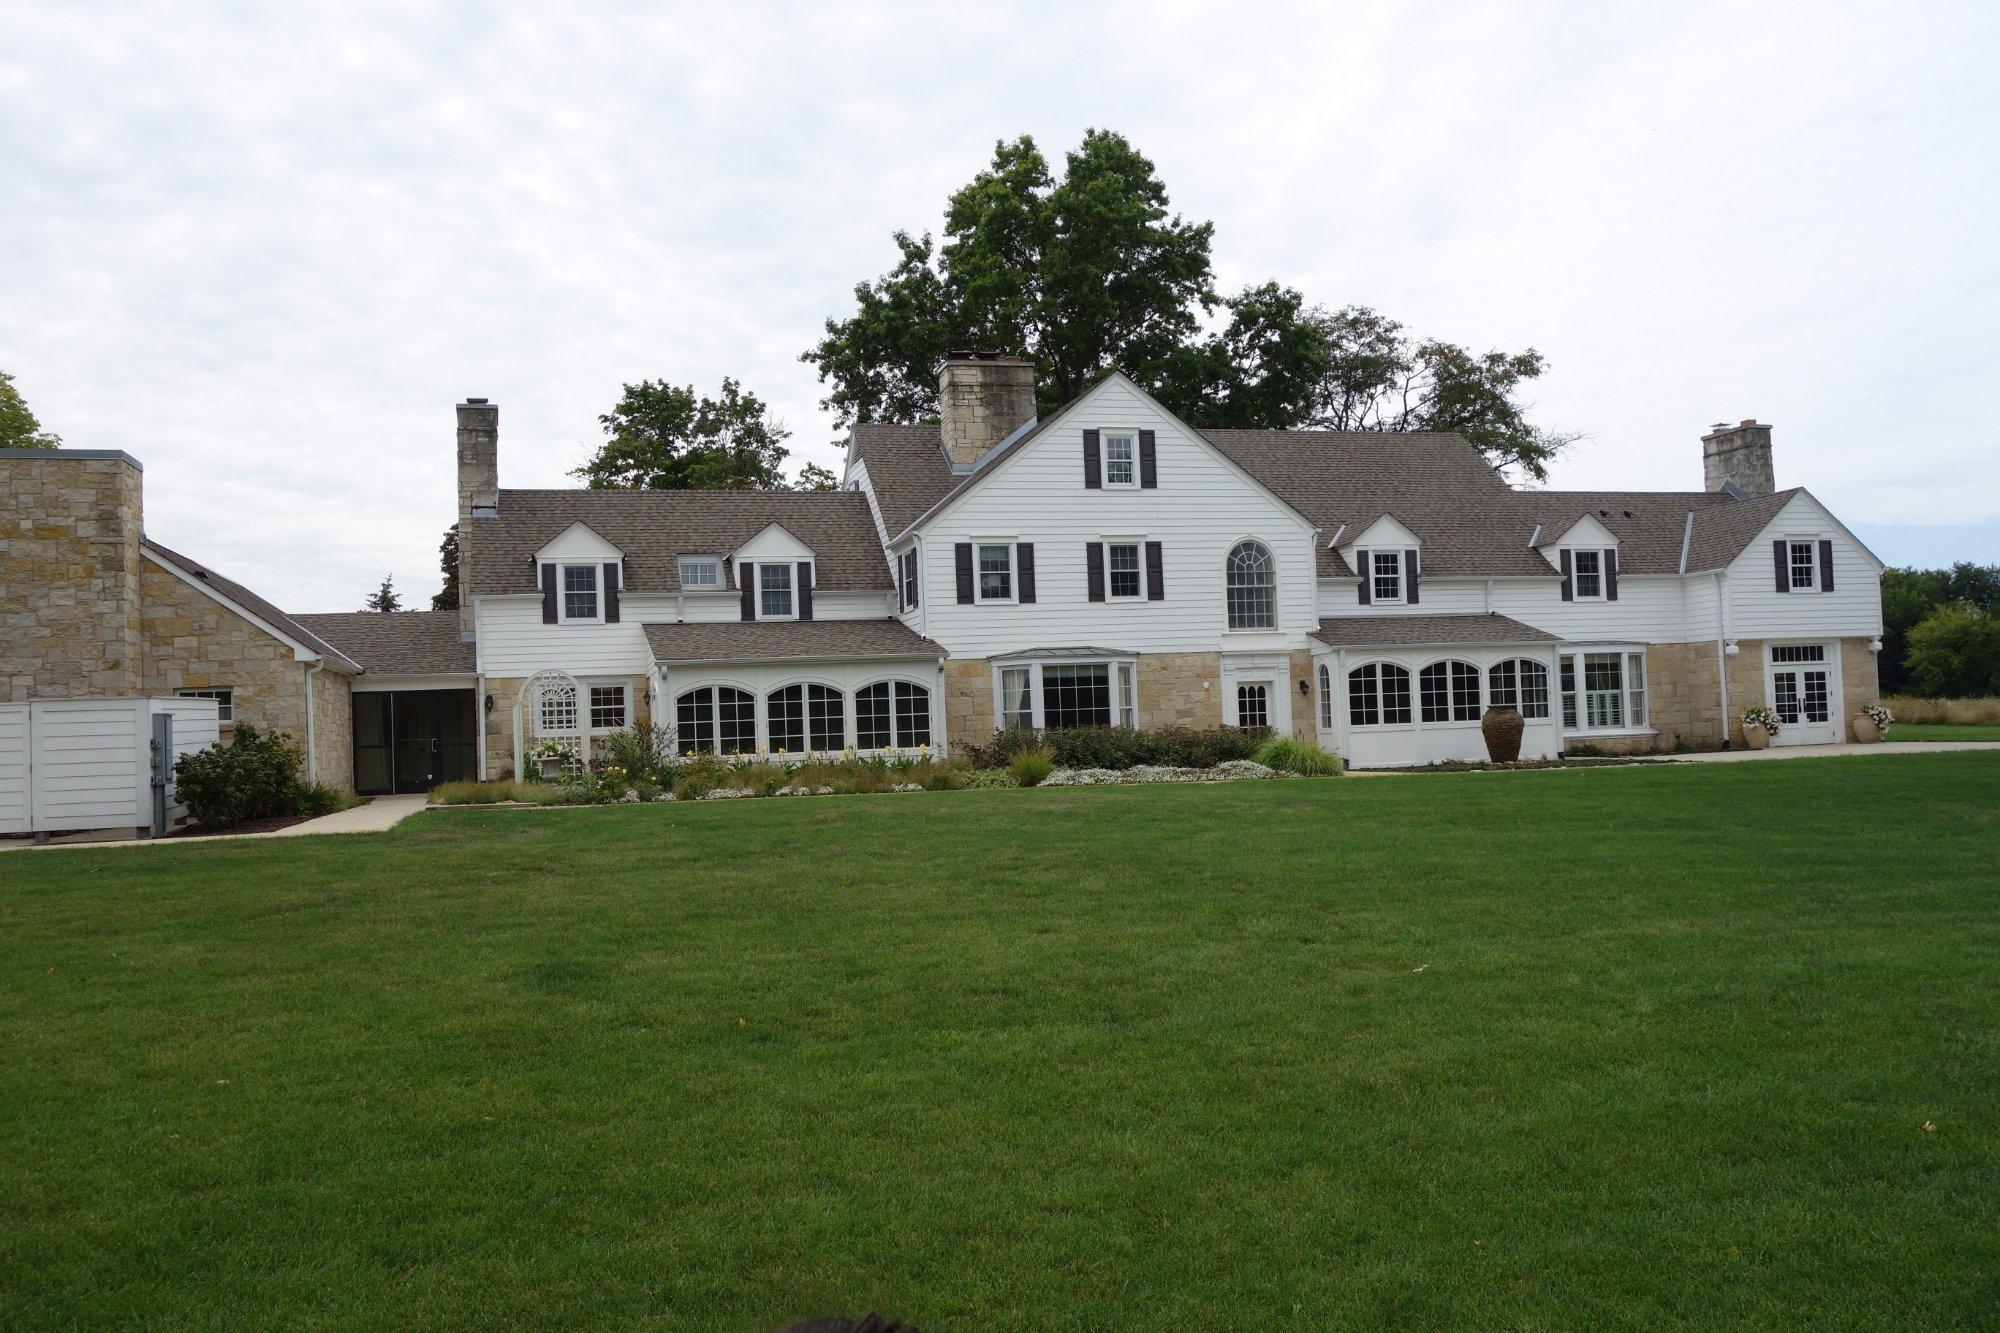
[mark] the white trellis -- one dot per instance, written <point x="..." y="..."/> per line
<point x="548" y="713"/>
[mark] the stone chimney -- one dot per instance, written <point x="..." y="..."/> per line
<point x="983" y="397"/>
<point x="478" y="489"/>
<point x="69" y="574"/>
<point x="1738" y="456"/>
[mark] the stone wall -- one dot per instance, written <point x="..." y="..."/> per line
<point x="69" y="576"/>
<point x="499" y="722"/>
<point x="1175" y="689"/>
<point x="333" y="729"/>
<point x="1683" y="704"/>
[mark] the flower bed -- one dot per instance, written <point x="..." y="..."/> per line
<point x="1234" y="770"/>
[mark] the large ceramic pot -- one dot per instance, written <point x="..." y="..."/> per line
<point x="1865" y="729"/>
<point x="1502" y="728"/>
<point x="1755" y="736"/>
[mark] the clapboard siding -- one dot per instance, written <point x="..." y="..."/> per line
<point x="13" y="768"/>
<point x="513" y="641"/>
<point x="1202" y="507"/>
<point x="1757" y="610"/>
<point x="1649" y="609"/>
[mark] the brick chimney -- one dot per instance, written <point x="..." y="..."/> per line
<point x="478" y="489"/>
<point x="983" y="397"/>
<point x="1738" y="456"/>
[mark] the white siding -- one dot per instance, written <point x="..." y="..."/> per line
<point x="1651" y="608"/>
<point x="1435" y="597"/>
<point x="1202" y="507"/>
<point x="68" y="764"/>
<point x="761" y="679"/>
<point x="13" y="768"/>
<point x="1757" y="610"/>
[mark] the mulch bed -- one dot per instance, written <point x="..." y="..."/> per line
<point x="271" y="825"/>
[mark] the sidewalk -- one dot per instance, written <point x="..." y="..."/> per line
<point x="1825" y="751"/>
<point x="377" y="816"/>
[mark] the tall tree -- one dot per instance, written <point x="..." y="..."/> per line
<point x="446" y="598"/>
<point x="813" y="477"/>
<point x="384" y="598"/>
<point x="1092" y="271"/>
<point x="1910" y="596"/>
<point x="664" y="437"/>
<point x="18" y="427"/>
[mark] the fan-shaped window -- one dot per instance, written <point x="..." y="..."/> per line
<point x="1378" y="695"/>
<point x="1449" y="692"/>
<point x="1519" y="682"/>
<point x="1250" y="580"/>
<point x="715" y="719"/>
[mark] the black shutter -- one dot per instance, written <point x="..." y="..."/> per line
<point x="1783" y="570"/>
<point x="1611" y="576"/>
<point x="1093" y="463"/>
<point x="1367" y="591"/>
<point x="548" y="594"/>
<point x="1156" y="580"/>
<point x="1826" y="566"/>
<point x="961" y="555"/>
<point x="805" y="577"/>
<point x="910" y="595"/>
<point x="1410" y="576"/>
<point x="1093" y="565"/>
<point x="746" y="578"/>
<point x="610" y="592"/>
<point x="1149" y="464"/>
<point x="1024" y="570"/>
<point x="1569" y="582"/>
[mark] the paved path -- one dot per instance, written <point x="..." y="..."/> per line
<point x="1823" y="751"/>
<point x="377" y="816"/>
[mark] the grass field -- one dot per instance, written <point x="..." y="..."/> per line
<point x="1944" y="731"/>
<point x="1688" y="1044"/>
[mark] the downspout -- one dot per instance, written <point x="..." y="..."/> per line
<point x="923" y="600"/>
<point x="479" y="721"/>
<point x="1722" y="651"/>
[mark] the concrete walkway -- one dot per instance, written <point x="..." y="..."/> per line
<point x="1825" y="751"/>
<point x="378" y="815"/>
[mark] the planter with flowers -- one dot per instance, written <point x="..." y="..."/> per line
<point x="1871" y="724"/>
<point x="1760" y="727"/>
<point x="553" y="759"/>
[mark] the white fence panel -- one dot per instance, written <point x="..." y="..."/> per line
<point x="69" y="764"/>
<point x="13" y="768"/>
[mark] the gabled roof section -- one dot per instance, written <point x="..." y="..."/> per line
<point x="397" y="643"/>
<point x="1721" y="533"/>
<point x="777" y="640"/>
<point x="907" y="469"/>
<point x="1651" y="526"/>
<point x="1586" y="529"/>
<point x="655" y="528"/>
<point x="577" y="537"/>
<point x="249" y="605"/>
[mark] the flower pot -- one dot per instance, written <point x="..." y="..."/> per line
<point x="551" y="765"/>
<point x="1865" y="729"/>
<point x="1755" y="736"/>
<point x="1502" y="728"/>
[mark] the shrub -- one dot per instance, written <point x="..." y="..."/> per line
<point x="1955" y="651"/>
<point x="1290" y="756"/>
<point x="699" y="776"/>
<point x="1029" y="767"/>
<point x="989" y="777"/>
<point x="491" y="793"/>
<point x="944" y="775"/>
<point x="765" y="779"/>
<point x="316" y="799"/>
<point x="255" y="776"/>
<point x="1122" y="747"/>
<point x="644" y="751"/>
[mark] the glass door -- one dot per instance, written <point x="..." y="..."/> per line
<point x="1802" y="695"/>
<point x="417" y="745"/>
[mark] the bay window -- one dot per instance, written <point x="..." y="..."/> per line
<point x="1604" y="691"/>
<point x="1066" y="694"/>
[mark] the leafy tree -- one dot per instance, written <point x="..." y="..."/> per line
<point x="1955" y="652"/>
<point x="664" y="437"/>
<point x="18" y="427"/>
<point x="384" y="598"/>
<point x="813" y="477"/>
<point x="1092" y="272"/>
<point x="1909" y="596"/>
<point x="446" y="598"/>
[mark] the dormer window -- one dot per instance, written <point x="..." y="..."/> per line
<point x="1589" y="567"/>
<point x="1121" y="452"/>
<point x="1386" y="570"/>
<point x="579" y="588"/>
<point x="774" y="592"/>
<point x="701" y="573"/>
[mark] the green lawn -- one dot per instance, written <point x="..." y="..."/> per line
<point x="1681" y="1044"/>
<point x="1944" y="731"/>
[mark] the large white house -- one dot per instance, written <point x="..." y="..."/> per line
<point x="1107" y="564"/>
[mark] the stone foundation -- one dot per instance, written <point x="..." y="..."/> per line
<point x="1175" y="690"/>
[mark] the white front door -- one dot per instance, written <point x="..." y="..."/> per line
<point x="1805" y="694"/>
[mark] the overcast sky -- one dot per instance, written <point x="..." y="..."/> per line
<point x="265" y="248"/>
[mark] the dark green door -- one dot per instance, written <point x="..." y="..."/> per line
<point x="411" y="740"/>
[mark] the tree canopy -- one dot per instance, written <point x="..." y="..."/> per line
<point x="18" y="427"/>
<point x="1092" y="271"/>
<point x="384" y="598"/>
<point x="446" y="598"/>
<point x="1935" y="625"/>
<point x="665" y="437"/>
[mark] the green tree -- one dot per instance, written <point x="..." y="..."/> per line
<point x="664" y="437"/>
<point x="18" y="427"/>
<point x="384" y="598"/>
<point x="1909" y="596"/>
<point x="1955" y="653"/>
<point x="446" y="598"/>
<point x="1092" y="271"/>
<point x="813" y="477"/>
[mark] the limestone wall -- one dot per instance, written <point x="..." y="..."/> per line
<point x="1683" y="703"/>
<point x="333" y="730"/>
<point x="69" y="576"/>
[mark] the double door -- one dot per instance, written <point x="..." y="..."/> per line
<point x="1804" y="694"/>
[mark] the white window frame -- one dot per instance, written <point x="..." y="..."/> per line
<point x="711" y="563"/>
<point x="763" y="568"/>
<point x="1398" y="573"/>
<point x="1123" y="675"/>
<point x="1633" y="702"/>
<point x="1138" y="545"/>
<point x="1131" y="439"/>
<point x="979" y="546"/>
<point x="589" y="704"/>
<point x="225" y="701"/>
<point x="1815" y="580"/>
<point x="596" y="572"/>
<point x="1268" y="686"/>
<point x="897" y="740"/>
<point x="1277" y="604"/>
<point x="1576" y="555"/>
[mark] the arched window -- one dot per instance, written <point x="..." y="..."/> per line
<point x="892" y="715"/>
<point x="1325" y="698"/>
<point x="1449" y="692"/>
<point x="1378" y="695"/>
<point x="785" y="719"/>
<point x="1520" y="682"/>
<point x="715" y="719"/>
<point x="1250" y="581"/>
<point x="826" y="718"/>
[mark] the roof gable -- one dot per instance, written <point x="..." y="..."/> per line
<point x="579" y="541"/>
<point x="248" y="605"/>
<point x="1585" y="531"/>
<point x="1384" y="531"/>
<point x="774" y="542"/>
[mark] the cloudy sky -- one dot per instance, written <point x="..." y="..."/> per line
<point x="266" y="247"/>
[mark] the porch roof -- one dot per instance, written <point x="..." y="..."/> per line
<point x="1393" y="631"/>
<point x="782" y="640"/>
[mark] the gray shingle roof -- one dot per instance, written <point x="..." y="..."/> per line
<point x="398" y="643"/>
<point x="655" y="528"/>
<point x="230" y="590"/>
<point x="1722" y="531"/>
<point x="907" y="469"/>
<point x="757" y="640"/>
<point x="1425" y="631"/>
